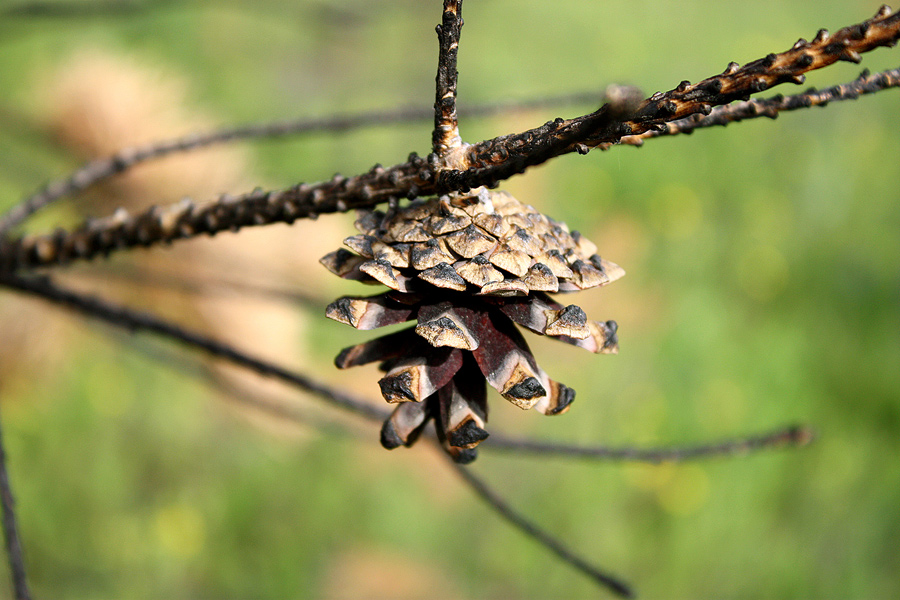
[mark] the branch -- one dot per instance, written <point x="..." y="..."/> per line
<point x="270" y="405"/>
<point x="793" y="436"/>
<point x="11" y="532"/>
<point x="187" y="219"/>
<point x="446" y="129"/>
<point x="107" y="8"/>
<point x="866" y="83"/>
<point x="539" y="535"/>
<point x="500" y="158"/>
<point x="134" y="321"/>
<point x="485" y="163"/>
<point x="105" y="168"/>
<point x="201" y="285"/>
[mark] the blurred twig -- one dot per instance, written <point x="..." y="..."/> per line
<point x="792" y="436"/>
<point x="866" y="83"/>
<point x="204" y="285"/>
<point x="135" y="321"/>
<point x="274" y="407"/>
<point x="102" y="169"/>
<point x="94" y="8"/>
<point x="542" y="537"/>
<point x="11" y="532"/>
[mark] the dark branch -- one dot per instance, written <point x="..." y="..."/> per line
<point x="272" y="406"/>
<point x="446" y="127"/>
<point x="866" y="83"/>
<point x="102" y="169"/>
<point x="792" y="436"/>
<point x="108" y="8"/>
<point x="227" y="213"/>
<point x="135" y="321"/>
<point x="485" y="163"/>
<point x="11" y="532"/>
<point x="494" y="160"/>
<point x="539" y="535"/>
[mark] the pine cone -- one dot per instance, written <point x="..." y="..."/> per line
<point x="466" y="268"/>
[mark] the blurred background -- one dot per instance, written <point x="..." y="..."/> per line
<point x="763" y="289"/>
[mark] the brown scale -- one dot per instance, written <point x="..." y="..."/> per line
<point x="467" y="269"/>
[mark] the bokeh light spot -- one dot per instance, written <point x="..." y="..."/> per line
<point x="180" y="530"/>
<point x="763" y="272"/>
<point x="685" y="491"/>
<point x="676" y="211"/>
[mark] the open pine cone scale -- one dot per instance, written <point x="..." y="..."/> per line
<point x="467" y="269"/>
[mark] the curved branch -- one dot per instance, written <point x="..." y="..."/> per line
<point x="500" y="158"/>
<point x="11" y="532"/>
<point x="500" y="506"/>
<point x="792" y="436"/>
<point x="105" y="168"/>
<point x="134" y="321"/>
<point x="866" y="83"/>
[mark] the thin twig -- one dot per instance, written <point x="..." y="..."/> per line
<point x="446" y="128"/>
<point x="481" y="164"/>
<point x="500" y="158"/>
<point x="272" y="406"/>
<point x="132" y="320"/>
<point x="279" y="409"/>
<point x="542" y="537"/>
<point x="135" y="321"/>
<point x="11" y="532"/>
<point x="105" y="8"/>
<point x="198" y="284"/>
<point x="793" y="436"/>
<point x="866" y="83"/>
<point x="105" y="168"/>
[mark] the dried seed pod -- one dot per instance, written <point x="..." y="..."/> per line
<point x="462" y="231"/>
<point x="396" y="254"/>
<point x="506" y="287"/>
<point x="524" y="242"/>
<point x="467" y="268"/>
<point x="442" y="225"/>
<point x="445" y="325"/>
<point x="341" y="262"/>
<point x="415" y="378"/>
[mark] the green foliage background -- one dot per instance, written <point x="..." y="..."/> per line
<point x="763" y="288"/>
